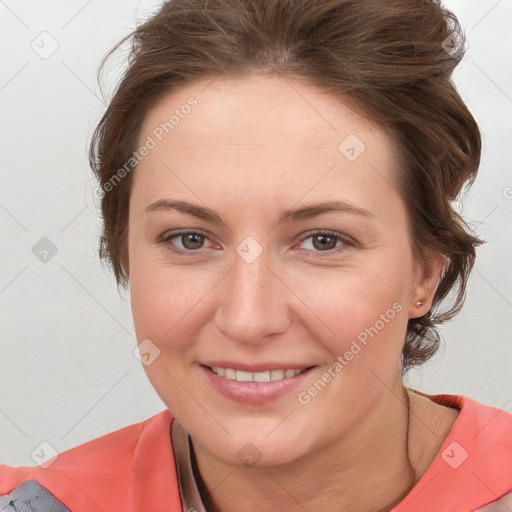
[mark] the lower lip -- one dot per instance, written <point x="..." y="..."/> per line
<point x="254" y="392"/>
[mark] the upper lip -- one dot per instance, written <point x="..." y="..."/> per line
<point x="256" y="367"/>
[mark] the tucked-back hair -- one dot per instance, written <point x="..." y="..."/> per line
<point x="392" y="59"/>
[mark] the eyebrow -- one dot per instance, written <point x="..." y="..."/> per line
<point x="293" y="215"/>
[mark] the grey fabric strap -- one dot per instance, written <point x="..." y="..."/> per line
<point x="30" y="497"/>
<point x="189" y="492"/>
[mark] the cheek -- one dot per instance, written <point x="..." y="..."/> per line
<point x="165" y="307"/>
<point x="168" y="303"/>
<point x="366" y="319"/>
<point x="357" y="304"/>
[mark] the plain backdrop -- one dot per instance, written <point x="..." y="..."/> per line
<point x="67" y="368"/>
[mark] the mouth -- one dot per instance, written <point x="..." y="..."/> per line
<point x="262" y="376"/>
<point x="255" y="387"/>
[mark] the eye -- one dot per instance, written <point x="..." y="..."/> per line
<point x="325" y="242"/>
<point x="188" y="242"/>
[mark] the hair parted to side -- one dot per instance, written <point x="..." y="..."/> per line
<point x="387" y="57"/>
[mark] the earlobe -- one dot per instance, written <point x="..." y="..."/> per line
<point x="423" y="293"/>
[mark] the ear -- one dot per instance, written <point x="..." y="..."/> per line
<point x="427" y="279"/>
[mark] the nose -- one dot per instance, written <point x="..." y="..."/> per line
<point x="253" y="305"/>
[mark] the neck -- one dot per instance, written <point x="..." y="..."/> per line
<point x="366" y="470"/>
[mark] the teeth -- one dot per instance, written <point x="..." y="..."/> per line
<point x="242" y="376"/>
<point x="230" y="374"/>
<point x="277" y="375"/>
<point x="261" y="377"/>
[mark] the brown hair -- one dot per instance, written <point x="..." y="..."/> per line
<point x="393" y="59"/>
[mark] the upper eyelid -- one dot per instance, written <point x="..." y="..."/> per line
<point x="328" y="232"/>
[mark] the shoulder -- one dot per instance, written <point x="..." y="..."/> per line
<point x="473" y="465"/>
<point x="480" y="435"/>
<point x="110" y="472"/>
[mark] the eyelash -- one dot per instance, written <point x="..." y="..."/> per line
<point x="346" y="241"/>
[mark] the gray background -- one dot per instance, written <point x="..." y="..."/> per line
<point x="67" y="369"/>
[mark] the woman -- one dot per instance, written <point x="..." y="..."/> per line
<point x="277" y="181"/>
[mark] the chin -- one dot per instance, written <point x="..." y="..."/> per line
<point x="252" y="455"/>
<point x="254" y="447"/>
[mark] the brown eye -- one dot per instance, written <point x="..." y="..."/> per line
<point x="192" y="241"/>
<point x="184" y="242"/>
<point x="324" y="242"/>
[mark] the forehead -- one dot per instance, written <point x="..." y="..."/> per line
<point x="261" y="131"/>
<point x="270" y="110"/>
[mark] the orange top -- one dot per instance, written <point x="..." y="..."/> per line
<point x="133" y="469"/>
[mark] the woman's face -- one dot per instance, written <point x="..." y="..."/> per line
<point x="287" y="249"/>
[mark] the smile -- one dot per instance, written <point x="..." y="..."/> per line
<point x="265" y="376"/>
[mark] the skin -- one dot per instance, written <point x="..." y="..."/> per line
<point x="251" y="148"/>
